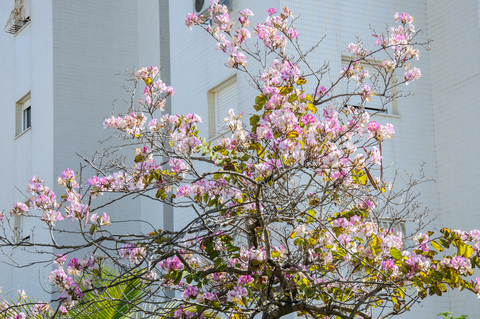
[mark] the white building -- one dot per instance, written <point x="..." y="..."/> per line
<point x="61" y="64"/>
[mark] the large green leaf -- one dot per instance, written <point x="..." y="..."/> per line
<point x="115" y="301"/>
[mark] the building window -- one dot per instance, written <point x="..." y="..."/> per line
<point x="378" y="104"/>
<point x="17" y="228"/>
<point x="19" y="16"/>
<point x="396" y="227"/>
<point x="27" y="118"/>
<point x="221" y="98"/>
<point x="21" y="225"/>
<point x="23" y="114"/>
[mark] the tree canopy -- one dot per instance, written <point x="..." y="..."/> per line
<point x="290" y="209"/>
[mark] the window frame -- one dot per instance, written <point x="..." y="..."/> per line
<point x="398" y="226"/>
<point x="213" y="118"/>
<point x="22" y="105"/>
<point x="390" y="108"/>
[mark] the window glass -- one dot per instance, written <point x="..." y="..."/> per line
<point x="27" y="115"/>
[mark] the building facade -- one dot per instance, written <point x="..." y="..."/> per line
<point x="61" y="63"/>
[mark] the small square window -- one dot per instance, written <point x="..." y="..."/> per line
<point x="23" y="114"/>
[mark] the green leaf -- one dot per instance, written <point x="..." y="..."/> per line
<point x="309" y="98"/>
<point x="178" y="278"/>
<point x="286" y="90"/>
<point x="116" y="301"/>
<point x="437" y="246"/>
<point x="468" y="252"/>
<point x="275" y="254"/>
<point x="254" y="120"/>
<point x="260" y="99"/>
<point x="292" y="98"/>
<point x="399" y="292"/>
<point x="301" y="81"/>
<point x="395" y="301"/>
<point x="298" y="241"/>
<point x="461" y="249"/>
<point x="437" y="275"/>
<point x="444" y="243"/>
<point x="309" y="292"/>
<point x="159" y="193"/>
<point x="214" y="254"/>
<point x="395" y="253"/>
<point x="312" y="108"/>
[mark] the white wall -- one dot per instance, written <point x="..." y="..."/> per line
<point x="455" y="31"/>
<point x="26" y="66"/>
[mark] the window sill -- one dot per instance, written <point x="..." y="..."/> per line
<point x="28" y="129"/>
<point x="387" y="115"/>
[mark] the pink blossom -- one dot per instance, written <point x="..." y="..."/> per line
<point x="321" y="91"/>
<point x="476" y="284"/>
<point x="60" y="259"/>
<point x="293" y="33"/>
<point x="404" y="17"/>
<point x="272" y="11"/>
<point x="191" y="291"/>
<point x="245" y="280"/>
<point x="411" y="75"/>
<point x="63" y="310"/>
<point x="210" y="296"/>
<point x="191" y="20"/>
<point x="375" y="156"/>
<point x="366" y="93"/>
<point x="183" y="191"/>
<point x="19" y="208"/>
<point x="50" y="217"/>
<point x="236" y="294"/>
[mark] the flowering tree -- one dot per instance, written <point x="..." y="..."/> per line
<point x="285" y="210"/>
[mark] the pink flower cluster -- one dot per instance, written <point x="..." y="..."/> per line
<point x="135" y="254"/>
<point x="132" y="124"/>
<point x="411" y="75"/>
<point x="119" y="181"/>
<point x="101" y="220"/>
<point x="357" y="50"/>
<point x="170" y="264"/>
<point x="185" y="135"/>
<point x="380" y="132"/>
<point x="155" y="95"/>
<point x="70" y="290"/>
<point x="43" y="199"/>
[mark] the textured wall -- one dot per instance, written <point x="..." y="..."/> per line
<point x="26" y="66"/>
<point x="455" y="31"/>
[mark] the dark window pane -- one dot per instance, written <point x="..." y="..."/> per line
<point x="27" y="118"/>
